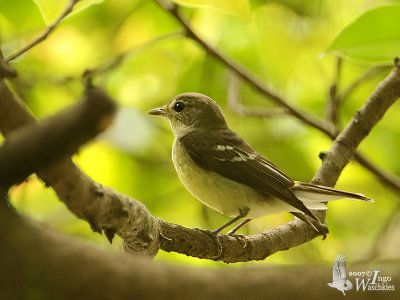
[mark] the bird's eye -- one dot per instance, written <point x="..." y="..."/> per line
<point x="179" y="106"/>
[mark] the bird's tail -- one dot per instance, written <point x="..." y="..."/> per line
<point x="313" y="195"/>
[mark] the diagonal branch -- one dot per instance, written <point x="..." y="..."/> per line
<point x="113" y="213"/>
<point x="345" y="144"/>
<point x="118" y="59"/>
<point x="240" y="109"/>
<point x="288" y="108"/>
<point x="360" y="80"/>
<point x="46" y="33"/>
<point x="294" y="233"/>
<point x="32" y="147"/>
<point x="243" y="73"/>
<point x="104" y="209"/>
<point x="384" y="176"/>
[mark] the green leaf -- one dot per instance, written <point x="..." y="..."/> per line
<point x="18" y="18"/>
<point x="238" y="8"/>
<point x="51" y="10"/>
<point x="373" y="38"/>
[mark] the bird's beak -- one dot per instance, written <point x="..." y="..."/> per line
<point x="160" y="111"/>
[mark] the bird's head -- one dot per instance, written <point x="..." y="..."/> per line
<point x="190" y="111"/>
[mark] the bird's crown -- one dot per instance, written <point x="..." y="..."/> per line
<point x="193" y="110"/>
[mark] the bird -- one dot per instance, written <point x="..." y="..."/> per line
<point x="339" y="274"/>
<point x="226" y="174"/>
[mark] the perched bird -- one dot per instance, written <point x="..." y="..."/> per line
<point x="225" y="173"/>
<point x="339" y="275"/>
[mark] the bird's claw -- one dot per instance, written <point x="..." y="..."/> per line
<point x="239" y="237"/>
<point x="214" y="235"/>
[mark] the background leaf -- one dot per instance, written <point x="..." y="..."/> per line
<point x="373" y="38"/>
<point x="50" y="10"/>
<point x="239" y="8"/>
<point x="13" y="23"/>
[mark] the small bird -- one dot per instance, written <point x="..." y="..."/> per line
<point x="339" y="275"/>
<point x="225" y="173"/>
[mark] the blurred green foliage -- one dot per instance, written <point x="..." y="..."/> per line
<point x="373" y="38"/>
<point x="281" y="42"/>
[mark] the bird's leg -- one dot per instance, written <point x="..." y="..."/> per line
<point x="242" y="213"/>
<point x="214" y="233"/>
<point x="238" y="226"/>
<point x="230" y="222"/>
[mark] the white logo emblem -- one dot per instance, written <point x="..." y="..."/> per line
<point x="339" y="273"/>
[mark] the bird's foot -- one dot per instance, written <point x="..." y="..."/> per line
<point x="214" y="235"/>
<point x="322" y="229"/>
<point x="239" y="237"/>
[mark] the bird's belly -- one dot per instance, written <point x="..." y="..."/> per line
<point x="220" y="193"/>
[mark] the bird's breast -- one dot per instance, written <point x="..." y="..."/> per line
<point x="216" y="191"/>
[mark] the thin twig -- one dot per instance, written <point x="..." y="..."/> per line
<point x="240" y="109"/>
<point x="118" y="59"/>
<point x="363" y="78"/>
<point x="384" y="176"/>
<point x="244" y="74"/>
<point x="329" y="130"/>
<point x="46" y="33"/>
<point x="343" y="148"/>
<point x="374" y="251"/>
<point x="333" y="101"/>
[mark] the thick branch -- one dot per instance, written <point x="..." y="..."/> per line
<point x="295" y="232"/>
<point x="34" y="146"/>
<point x="85" y="197"/>
<point x="101" y="207"/>
<point x="60" y="267"/>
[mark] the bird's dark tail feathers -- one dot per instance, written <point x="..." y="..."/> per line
<point x="313" y="195"/>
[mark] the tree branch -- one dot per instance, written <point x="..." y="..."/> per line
<point x="33" y="147"/>
<point x="385" y="94"/>
<point x="118" y="59"/>
<point x="58" y="267"/>
<point x="259" y="246"/>
<point x="381" y="236"/>
<point x="326" y="128"/>
<point x="238" y="108"/>
<point x="107" y="210"/>
<point x="360" y="80"/>
<point x="46" y="33"/>
<point x="104" y="209"/>
<point x="384" y="176"/>
<point x="243" y="73"/>
<point x="333" y="100"/>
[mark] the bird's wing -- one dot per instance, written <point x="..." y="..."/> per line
<point x="339" y="268"/>
<point x="225" y="153"/>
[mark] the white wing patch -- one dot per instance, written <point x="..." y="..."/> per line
<point x="222" y="148"/>
<point x="238" y="154"/>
